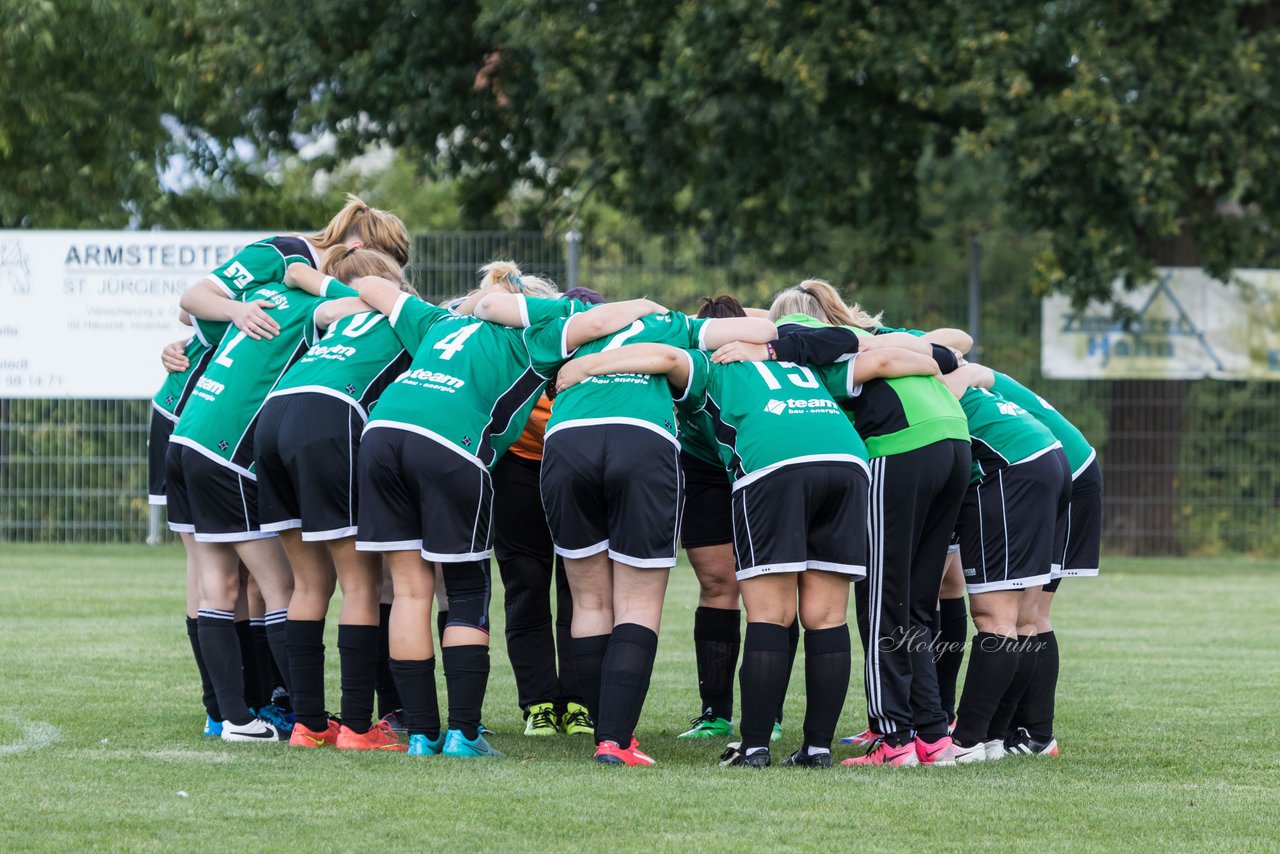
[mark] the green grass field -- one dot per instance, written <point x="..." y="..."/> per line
<point x="1167" y="714"/>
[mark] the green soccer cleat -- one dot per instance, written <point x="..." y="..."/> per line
<point x="576" y="720"/>
<point x="541" y="720"/>
<point x="708" y="726"/>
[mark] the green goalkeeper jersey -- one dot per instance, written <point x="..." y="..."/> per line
<point x="1077" y="448"/>
<point x="172" y="397"/>
<point x="472" y="384"/>
<point x="1002" y="433"/>
<point x="262" y="263"/>
<point x="358" y="357"/>
<point x="220" y="415"/>
<point x="773" y="414"/>
<point x="640" y="400"/>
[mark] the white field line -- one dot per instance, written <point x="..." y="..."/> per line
<point x="35" y="735"/>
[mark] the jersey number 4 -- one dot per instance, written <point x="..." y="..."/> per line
<point x="454" y="341"/>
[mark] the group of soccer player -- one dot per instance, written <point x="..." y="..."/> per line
<point x="325" y="427"/>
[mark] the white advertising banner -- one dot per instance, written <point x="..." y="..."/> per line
<point x="1185" y="325"/>
<point x="86" y="313"/>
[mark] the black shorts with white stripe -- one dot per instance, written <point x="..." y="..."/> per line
<point x="420" y="494"/>
<point x="708" y="496"/>
<point x="158" y="434"/>
<point x="1082" y="538"/>
<point x="1008" y="524"/>
<point x="215" y="503"/>
<point x="802" y="517"/>
<point x="615" y="488"/>
<point x="306" y="448"/>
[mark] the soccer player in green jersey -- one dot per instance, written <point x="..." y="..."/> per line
<point x="212" y="494"/>
<point x="306" y="443"/>
<point x="424" y="478"/>
<point x="1019" y="487"/>
<point x="800" y="481"/>
<point x="1076" y="554"/>
<point x="612" y="489"/>
<point x="917" y="437"/>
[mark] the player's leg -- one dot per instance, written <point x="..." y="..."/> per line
<point x="389" y="703"/>
<point x="219" y="569"/>
<point x="954" y="631"/>
<point x="526" y="562"/>
<point x="823" y="611"/>
<point x="770" y="602"/>
<point x="707" y="537"/>
<point x="359" y="631"/>
<point x="314" y="580"/>
<point x="591" y="579"/>
<point x="571" y="699"/>
<point x="269" y="568"/>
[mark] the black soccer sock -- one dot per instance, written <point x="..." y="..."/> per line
<point x="262" y="663"/>
<point x="1002" y="718"/>
<point x="793" y="644"/>
<point x="624" y="681"/>
<point x="388" y="697"/>
<point x="276" y="639"/>
<point x="993" y="659"/>
<point x="949" y="650"/>
<point x="416" y="682"/>
<point x="1036" y="711"/>
<point x="466" y="675"/>
<point x="207" y="694"/>
<point x="442" y="620"/>
<point x="717" y="637"/>
<point x="221" y="651"/>
<point x="827" y="660"/>
<point x="358" y="655"/>
<point x="588" y="660"/>
<point x="305" y="642"/>
<point x="249" y="674"/>
<point x="766" y="664"/>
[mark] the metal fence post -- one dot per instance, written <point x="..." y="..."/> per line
<point x="574" y="241"/>
<point x="975" y="295"/>
<point x="155" y="528"/>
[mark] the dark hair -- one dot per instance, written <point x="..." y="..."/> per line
<point x="586" y="295"/>
<point x="721" y="306"/>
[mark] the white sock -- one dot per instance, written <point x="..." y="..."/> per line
<point x="816" y="751"/>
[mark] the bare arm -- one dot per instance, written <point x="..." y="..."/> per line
<point x="330" y="312"/>
<point x="205" y="301"/>
<point x="379" y="294"/>
<point x="749" y="330"/>
<point x="757" y="312"/>
<point x="607" y="319"/>
<point x="185" y="319"/>
<point x="956" y="339"/>
<point x="500" y="307"/>
<point x="889" y="362"/>
<point x="969" y="376"/>
<point x="653" y="359"/>
<point x="900" y="340"/>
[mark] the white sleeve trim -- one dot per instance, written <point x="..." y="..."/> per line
<point x="853" y="388"/>
<point x="702" y="334"/>
<point x="324" y="285"/>
<point x="220" y="285"/>
<point x="522" y="301"/>
<point x="689" y="382"/>
<point x="395" y="312"/>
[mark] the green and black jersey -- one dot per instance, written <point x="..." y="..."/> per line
<point x="172" y="397"/>
<point x="1003" y="433"/>
<point x="767" y="415"/>
<point x="472" y="384"/>
<point x="901" y="414"/>
<point x="698" y="436"/>
<point x="220" y="414"/>
<point x="358" y="357"/>
<point x="639" y="400"/>
<point x="1077" y="448"/>
<point x="262" y="263"/>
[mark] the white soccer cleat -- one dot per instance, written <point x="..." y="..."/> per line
<point x="254" y="730"/>
<point x="994" y="748"/>
<point x="969" y="755"/>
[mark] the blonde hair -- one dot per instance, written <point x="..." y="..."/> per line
<point x="376" y="229"/>
<point x="819" y="300"/>
<point x="346" y="264"/>
<point x="506" y="275"/>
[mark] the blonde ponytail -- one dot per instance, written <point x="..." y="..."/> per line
<point x="346" y="264"/>
<point x="506" y="275"/>
<point x="819" y="300"/>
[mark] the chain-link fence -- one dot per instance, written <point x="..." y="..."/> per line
<point x="1190" y="467"/>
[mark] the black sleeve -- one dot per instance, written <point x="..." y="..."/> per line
<point x="946" y="358"/>
<point x="808" y="346"/>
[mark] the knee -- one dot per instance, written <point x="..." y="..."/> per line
<point x="718" y="591"/>
<point x="467" y="586"/>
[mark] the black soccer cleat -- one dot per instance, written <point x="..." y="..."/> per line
<point x="734" y="757"/>
<point x="802" y="758"/>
